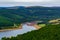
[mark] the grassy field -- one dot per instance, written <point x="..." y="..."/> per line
<point x="42" y="25"/>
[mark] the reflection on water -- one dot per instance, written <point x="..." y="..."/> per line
<point x="25" y="29"/>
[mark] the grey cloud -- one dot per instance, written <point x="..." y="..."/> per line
<point x="6" y="0"/>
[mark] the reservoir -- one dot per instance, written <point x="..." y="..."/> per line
<point x="25" y="29"/>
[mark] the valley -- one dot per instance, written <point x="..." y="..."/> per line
<point x="29" y="23"/>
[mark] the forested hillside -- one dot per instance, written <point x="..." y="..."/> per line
<point x="16" y="15"/>
<point x="50" y="32"/>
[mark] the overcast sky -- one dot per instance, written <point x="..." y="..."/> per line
<point x="29" y="3"/>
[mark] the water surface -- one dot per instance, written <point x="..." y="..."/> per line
<point x="25" y="29"/>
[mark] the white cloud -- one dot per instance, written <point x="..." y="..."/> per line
<point x="29" y="2"/>
<point x="25" y="0"/>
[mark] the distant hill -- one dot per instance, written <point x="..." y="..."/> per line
<point x="20" y="14"/>
<point x="50" y="32"/>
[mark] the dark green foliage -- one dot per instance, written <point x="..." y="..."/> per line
<point x="50" y="32"/>
<point x="17" y="15"/>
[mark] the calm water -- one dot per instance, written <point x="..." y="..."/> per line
<point x="25" y="29"/>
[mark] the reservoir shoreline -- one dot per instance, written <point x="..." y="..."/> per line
<point x="20" y="27"/>
<point x="15" y="32"/>
<point x="2" y="30"/>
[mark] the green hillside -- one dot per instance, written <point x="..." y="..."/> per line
<point x="50" y="32"/>
<point x="16" y="15"/>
